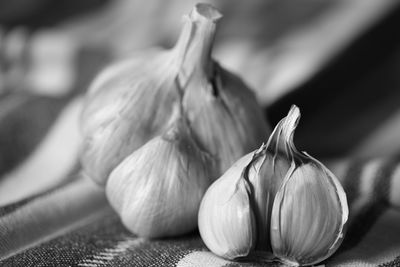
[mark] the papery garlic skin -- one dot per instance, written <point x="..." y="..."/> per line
<point x="127" y="106"/>
<point x="300" y="209"/>
<point x="226" y="118"/>
<point x="229" y="214"/>
<point x="158" y="188"/>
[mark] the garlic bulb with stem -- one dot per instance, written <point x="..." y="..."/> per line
<point x="131" y="101"/>
<point x="158" y="188"/>
<point x="294" y="205"/>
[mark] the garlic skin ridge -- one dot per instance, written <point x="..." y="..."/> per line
<point x="299" y="206"/>
<point x="131" y="101"/>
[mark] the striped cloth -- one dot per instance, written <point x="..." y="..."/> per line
<point x="51" y="215"/>
<point x="71" y="224"/>
<point x="66" y="221"/>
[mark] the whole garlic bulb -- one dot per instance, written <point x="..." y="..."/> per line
<point x="131" y="102"/>
<point x="277" y="201"/>
<point x="158" y="188"/>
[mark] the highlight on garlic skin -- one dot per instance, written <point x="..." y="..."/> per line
<point x="275" y="201"/>
<point x="131" y="101"/>
<point x="158" y="188"/>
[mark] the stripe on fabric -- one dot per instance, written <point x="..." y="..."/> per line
<point x="368" y="176"/>
<point x="393" y="263"/>
<point x="351" y="181"/>
<point x="200" y="259"/>
<point x="25" y="127"/>
<point x="103" y="257"/>
<point x="371" y="202"/>
<point x="394" y="197"/>
<point x="49" y="216"/>
<point x="384" y="178"/>
<point x="51" y="161"/>
<point x="72" y="177"/>
<point x="69" y="249"/>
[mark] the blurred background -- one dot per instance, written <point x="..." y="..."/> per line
<point x="338" y="60"/>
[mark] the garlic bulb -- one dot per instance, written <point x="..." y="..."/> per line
<point x="131" y="102"/>
<point x="276" y="201"/>
<point x="158" y="188"/>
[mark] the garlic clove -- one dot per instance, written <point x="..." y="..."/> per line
<point x="158" y="188"/>
<point x="308" y="215"/>
<point x="310" y="207"/>
<point x="226" y="221"/>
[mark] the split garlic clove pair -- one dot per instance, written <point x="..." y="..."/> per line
<point x="277" y="201"/>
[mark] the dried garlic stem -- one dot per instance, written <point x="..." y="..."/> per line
<point x="195" y="43"/>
